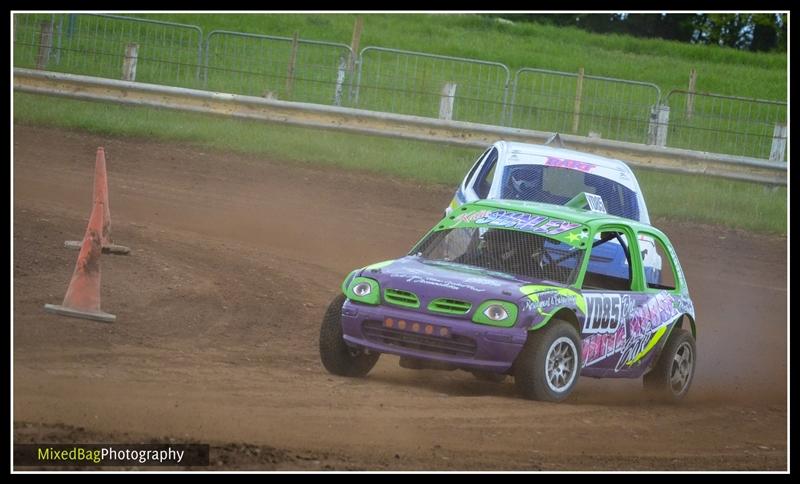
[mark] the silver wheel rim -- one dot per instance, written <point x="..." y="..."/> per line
<point x="561" y="364"/>
<point x="681" y="369"/>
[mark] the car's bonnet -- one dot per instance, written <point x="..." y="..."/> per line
<point x="430" y="280"/>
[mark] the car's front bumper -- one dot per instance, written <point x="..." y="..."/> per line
<point x="458" y="342"/>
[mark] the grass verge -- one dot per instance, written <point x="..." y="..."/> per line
<point x="709" y="200"/>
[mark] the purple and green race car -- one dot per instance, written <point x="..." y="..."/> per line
<point x="519" y="288"/>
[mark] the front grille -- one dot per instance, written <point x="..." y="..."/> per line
<point x="449" y="306"/>
<point x="455" y="345"/>
<point x="401" y="298"/>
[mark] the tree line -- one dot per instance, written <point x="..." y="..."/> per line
<point x="758" y="32"/>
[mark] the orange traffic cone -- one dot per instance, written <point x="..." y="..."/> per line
<point x="83" y="295"/>
<point x="101" y="191"/>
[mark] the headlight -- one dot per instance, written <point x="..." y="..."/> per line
<point x="362" y="289"/>
<point x="496" y="312"/>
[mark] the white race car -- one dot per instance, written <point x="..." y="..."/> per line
<point x="554" y="175"/>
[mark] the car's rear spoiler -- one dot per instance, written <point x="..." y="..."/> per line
<point x="555" y="140"/>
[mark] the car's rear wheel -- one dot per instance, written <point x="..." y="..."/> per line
<point x="672" y="376"/>
<point x="337" y="356"/>
<point x="549" y="364"/>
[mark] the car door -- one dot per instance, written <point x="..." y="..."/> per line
<point x="611" y="287"/>
<point x="628" y="318"/>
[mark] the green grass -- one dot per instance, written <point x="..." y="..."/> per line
<point x="418" y="160"/>
<point x="731" y="203"/>
<point x="666" y="63"/>
<point x="700" y="199"/>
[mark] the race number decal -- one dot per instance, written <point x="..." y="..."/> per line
<point x="604" y="312"/>
<point x="595" y="203"/>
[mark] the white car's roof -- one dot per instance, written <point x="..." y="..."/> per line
<point x="523" y="154"/>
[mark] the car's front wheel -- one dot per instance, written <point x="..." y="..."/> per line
<point x="548" y="366"/>
<point x="338" y="357"/>
<point x="672" y="376"/>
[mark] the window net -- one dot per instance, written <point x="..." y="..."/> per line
<point x="555" y="185"/>
<point x="522" y="254"/>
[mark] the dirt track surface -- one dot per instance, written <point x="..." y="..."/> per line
<point x="234" y="260"/>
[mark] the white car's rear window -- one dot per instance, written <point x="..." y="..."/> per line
<point x="556" y="185"/>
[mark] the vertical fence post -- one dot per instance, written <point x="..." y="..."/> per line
<point x="355" y="90"/>
<point x="659" y="125"/>
<point x="206" y="58"/>
<point x="510" y="113"/>
<point x="355" y="42"/>
<point x="71" y="25"/>
<point x="59" y="35"/>
<point x="129" y="64"/>
<point x="290" y="73"/>
<point x="504" y="116"/>
<point x="576" y="117"/>
<point x="200" y="71"/>
<point x="778" y="151"/>
<point x="45" y="44"/>
<point x="690" y="95"/>
<point x="337" y="95"/>
<point x="446" y="101"/>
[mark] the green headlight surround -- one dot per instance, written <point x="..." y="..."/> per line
<point x="372" y="298"/>
<point x="347" y="280"/>
<point x="510" y="308"/>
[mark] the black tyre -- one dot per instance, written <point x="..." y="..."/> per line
<point x="337" y="357"/>
<point x="672" y="376"/>
<point x="489" y="376"/>
<point x="549" y="364"/>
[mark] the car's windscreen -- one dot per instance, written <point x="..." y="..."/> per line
<point x="522" y="254"/>
<point x="556" y="185"/>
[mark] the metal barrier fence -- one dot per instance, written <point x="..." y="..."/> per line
<point x="727" y="124"/>
<point x="580" y="104"/>
<point x="399" y="126"/>
<point x="285" y="68"/>
<point x="429" y="85"/>
<point x="397" y="81"/>
<point x="110" y="46"/>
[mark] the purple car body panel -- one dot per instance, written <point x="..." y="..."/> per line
<point x="622" y="332"/>
<point x="496" y="348"/>
<point x="621" y="325"/>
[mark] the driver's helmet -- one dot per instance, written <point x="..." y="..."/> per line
<point x="498" y="244"/>
<point x="512" y="249"/>
<point x="524" y="181"/>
